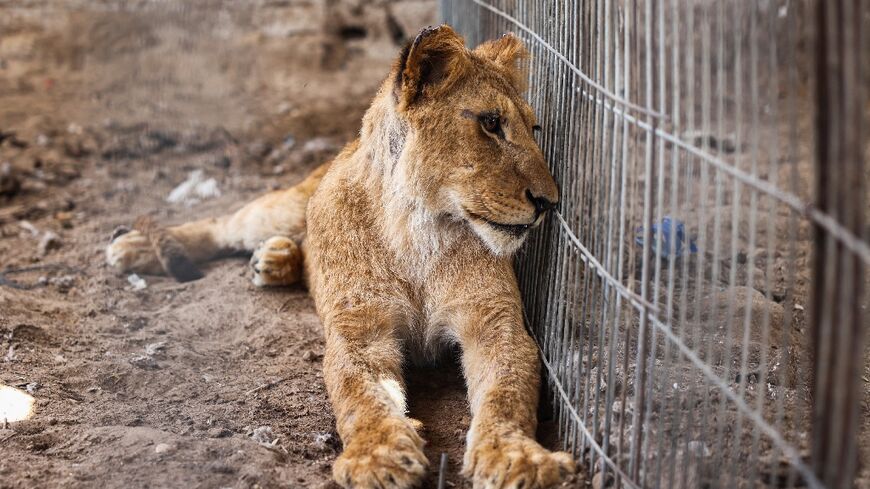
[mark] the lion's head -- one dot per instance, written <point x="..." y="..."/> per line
<point x="470" y="151"/>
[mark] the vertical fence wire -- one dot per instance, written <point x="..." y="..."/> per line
<point x="704" y="217"/>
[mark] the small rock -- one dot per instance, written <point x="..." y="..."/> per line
<point x="219" y="161"/>
<point x="50" y="241"/>
<point x="163" y="448"/>
<point x="64" y="218"/>
<point x="282" y="108"/>
<point x="699" y="448"/>
<point x="32" y="387"/>
<point x="10" y="183"/>
<point x="218" y="432"/>
<point x="310" y="356"/>
<point x="220" y="468"/>
<point x="136" y="324"/>
<point x="258" y="149"/>
<point x="599" y="481"/>
<point x="264" y="435"/>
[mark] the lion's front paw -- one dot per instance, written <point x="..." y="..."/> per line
<point x="515" y="462"/>
<point x="131" y="251"/>
<point x="390" y="457"/>
<point x="277" y="261"/>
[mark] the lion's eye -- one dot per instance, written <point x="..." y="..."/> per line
<point x="491" y="123"/>
<point x="536" y="128"/>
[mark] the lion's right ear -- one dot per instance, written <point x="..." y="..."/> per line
<point x="510" y="53"/>
<point x="429" y="65"/>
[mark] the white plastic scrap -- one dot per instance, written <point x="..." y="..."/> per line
<point x="137" y="282"/>
<point x="194" y="189"/>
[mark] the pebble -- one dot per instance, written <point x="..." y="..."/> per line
<point x="310" y="356"/>
<point x="162" y="448"/>
<point x="218" y="432"/>
<point x="264" y="434"/>
<point x="599" y="482"/>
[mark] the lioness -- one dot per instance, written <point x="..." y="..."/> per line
<point x="407" y="243"/>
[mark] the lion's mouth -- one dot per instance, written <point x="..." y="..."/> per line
<point x="515" y="230"/>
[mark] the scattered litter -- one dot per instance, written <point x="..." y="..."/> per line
<point x="288" y="143"/>
<point x="29" y="227"/>
<point x="155" y="348"/>
<point x="49" y="241"/>
<point x="41" y="282"/>
<point x="662" y="233"/>
<point x="194" y="189"/>
<point x="264" y="436"/>
<point x="146" y="362"/>
<point x="63" y="283"/>
<point x="323" y="441"/>
<point x="137" y="282"/>
<point x="798" y="307"/>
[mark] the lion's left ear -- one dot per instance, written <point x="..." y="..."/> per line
<point x="510" y="53"/>
<point x="430" y="65"/>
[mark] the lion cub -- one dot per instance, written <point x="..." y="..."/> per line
<point x="405" y="241"/>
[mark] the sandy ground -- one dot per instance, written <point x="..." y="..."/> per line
<point x="107" y="106"/>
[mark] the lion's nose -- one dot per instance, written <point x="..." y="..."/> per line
<point x="542" y="204"/>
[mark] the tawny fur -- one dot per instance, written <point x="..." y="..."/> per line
<point x="407" y="243"/>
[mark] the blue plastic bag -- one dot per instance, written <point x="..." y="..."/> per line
<point x="662" y="233"/>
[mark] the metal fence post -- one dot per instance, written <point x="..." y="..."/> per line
<point x="837" y="319"/>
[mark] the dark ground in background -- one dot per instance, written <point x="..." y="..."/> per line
<point x="104" y="108"/>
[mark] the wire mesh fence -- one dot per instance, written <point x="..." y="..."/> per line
<point x="699" y="297"/>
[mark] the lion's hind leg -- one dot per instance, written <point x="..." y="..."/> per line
<point x="277" y="261"/>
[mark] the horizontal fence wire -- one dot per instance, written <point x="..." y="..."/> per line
<point x="668" y="293"/>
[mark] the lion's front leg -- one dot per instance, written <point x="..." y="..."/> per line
<point x="363" y="373"/>
<point x="502" y="368"/>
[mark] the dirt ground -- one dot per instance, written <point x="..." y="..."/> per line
<point x="107" y="106"/>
